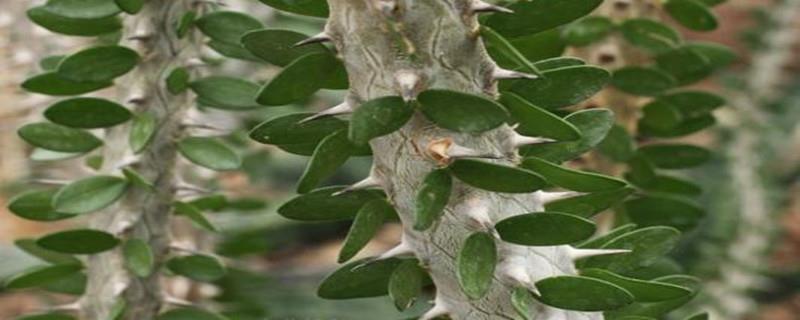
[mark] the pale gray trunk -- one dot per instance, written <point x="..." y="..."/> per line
<point x="143" y="214"/>
<point x="437" y="41"/>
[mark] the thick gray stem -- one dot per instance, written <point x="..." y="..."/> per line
<point x="143" y="214"/>
<point x="387" y="45"/>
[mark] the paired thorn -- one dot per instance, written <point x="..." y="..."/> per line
<point x="175" y="301"/>
<point x="576" y="254"/>
<point x="369" y="182"/>
<point x="444" y="150"/>
<point x="439" y="309"/>
<point x="342" y="108"/>
<point x="478" y="212"/>
<point x="550" y="197"/>
<point x="318" y="38"/>
<point x="518" y="140"/>
<point x="519" y="274"/>
<point x="504" y="74"/>
<point x="402" y="249"/>
<point x="408" y="82"/>
<point x="479" y="6"/>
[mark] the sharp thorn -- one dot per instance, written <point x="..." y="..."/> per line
<point x="319" y="38"/>
<point x="479" y="6"/>
<point x="342" y="108"/>
<point x="549" y="197"/>
<point x="503" y="74"/>
<point x="370" y="182"/>
<point x="518" y="140"/>
<point x="576" y="254"/>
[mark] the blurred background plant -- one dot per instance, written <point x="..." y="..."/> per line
<point x="745" y="249"/>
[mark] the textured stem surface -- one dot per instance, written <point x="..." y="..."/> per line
<point x="392" y="47"/>
<point x="141" y="213"/>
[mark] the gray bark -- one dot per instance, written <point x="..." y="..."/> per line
<point x="385" y="43"/>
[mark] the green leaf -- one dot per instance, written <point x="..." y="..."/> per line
<point x="70" y="26"/>
<point x="618" y="144"/>
<point x="137" y="180"/>
<point x="647" y="245"/>
<point x="558" y="63"/>
<point x="138" y="257"/>
<point x="642" y="290"/>
<point x="289" y="130"/>
<point x="461" y="112"/>
<point x="331" y="153"/>
<point x="668" y="184"/>
<point x="322" y="205"/>
<point x="594" y="125"/>
<point x="675" y="156"/>
<point x="41" y="275"/>
<point x="563" y="87"/>
<point x="476" y="263"/>
<point x="47" y="316"/>
<point x="314" y="8"/>
<point x="130" y="6"/>
<point x="524" y="303"/>
<point x="299" y="80"/>
<point x="50" y="63"/>
<point x="89" y="194"/>
<point x="98" y="64"/>
<point x="278" y="46"/>
<point x="87" y="113"/>
<point x="82" y="9"/>
<point x="643" y="81"/>
<point x="685" y="64"/>
<point x="185" y="24"/>
<point x="189" y="314"/>
<point x="684" y="128"/>
<point x="227" y="26"/>
<point x="197" y="267"/>
<point x="661" y="115"/>
<point x="665" y="211"/>
<point x="587" y="30"/>
<point x="590" y="204"/>
<point x="178" y="80"/>
<point x="369" y="220"/>
<point x="378" y="117"/>
<point x="691" y="14"/>
<point x="500" y="45"/>
<point x="30" y="247"/>
<point x="656" y="310"/>
<point x="582" y="294"/>
<point x="226" y="93"/>
<point x="209" y="153"/>
<point x="537" y="16"/>
<point x="359" y="279"/>
<point x="40" y="154"/>
<point x="572" y="179"/>
<point x="59" y="138"/>
<point x="235" y="51"/>
<point x="36" y="206"/>
<point x="495" y="177"/>
<point x="719" y="56"/>
<point x="405" y="284"/>
<point x="536" y="122"/>
<point x="142" y="131"/>
<point x="693" y="104"/>
<point x="194" y="214"/>
<point x="53" y="84"/>
<point x="600" y="241"/>
<point x="540" y="46"/>
<point x="79" y="241"/>
<point x="432" y="198"/>
<point x="650" y="34"/>
<point x="544" y="229"/>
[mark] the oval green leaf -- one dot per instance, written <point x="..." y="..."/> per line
<point x="589" y="204"/>
<point x="331" y="153"/>
<point x="36" y="206"/>
<point x="572" y="179"/>
<point x="197" y="267"/>
<point x="300" y="79"/>
<point x="432" y="198"/>
<point x="647" y="245"/>
<point x="84" y="9"/>
<point x="79" y="241"/>
<point x="692" y="14"/>
<point x="226" y="93"/>
<point x="87" y="113"/>
<point x="531" y="17"/>
<point x="664" y="211"/>
<point x="142" y="129"/>
<point x="89" y="194"/>
<point x="675" y="156"/>
<point x="461" y="112"/>
<point x="406" y="283"/>
<point x="98" y="64"/>
<point x="643" y="81"/>
<point x="53" y="84"/>
<point x="359" y="279"/>
<point x="545" y="229"/>
<point x="476" y="263"/>
<point x="369" y="220"/>
<point x="563" y="87"/>
<point x="495" y="177"/>
<point x="650" y="34"/>
<point x="73" y="27"/>
<point x="322" y="205"/>
<point x="138" y="257"/>
<point x="209" y="153"/>
<point x="278" y="46"/>
<point x="587" y="30"/>
<point x="41" y="276"/>
<point x="55" y="137"/>
<point x="227" y="26"/>
<point x="582" y="294"/>
<point x="536" y="122"/>
<point x="642" y="290"/>
<point x="594" y="125"/>
<point x="378" y="117"/>
<point x="289" y="130"/>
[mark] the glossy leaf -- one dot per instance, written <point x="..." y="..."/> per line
<point x="692" y="14"/>
<point x="618" y="144"/>
<point x="661" y="115"/>
<point x="130" y="6"/>
<point x="476" y="263"/>
<point x="587" y="30"/>
<point x="432" y="198"/>
<point x="32" y="248"/>
<point x="642" y="290"/>
<point x="287" y="131"/>
<point x="643" y="81"/>
<point x="495" y="177"/>
<point x="299" y="80"/>
<point x="209" y="153"/>
<point x="544" y="229"/>
<point x="178" y="80"/>
<point x="685" y="64"/>
<point x="193" y="213"/>
<point x="502" y="46"/>
<point x="692" y="104"/>
<point x="59" y="138"/>
<point x="650" y="34"/>
<point x="36" y="206"/>
<point x="461" y="112"/>
<point x="142" y="129"/>
<point x="226" y="93"/>
<point x="70" y="26"/>
<point x="41" y="275"/>
<point x="278" y="46"/>
<point x="675" y="156"/>
<point x="84" y="9"/>
<point x="563" y="87"/>
<point x="315" y="8"/>
<point x="89" y="194"/>
<point x="594" y="125"/>
<point x="138" y="257"/>
<point x="78" y="241"/>
<point x="378" y="117"/>
<point x="369" y="220"/>
<point x="558" y="63"/>
<point x="359" y="279"/>
<point x="647" y="245"/>
<point x="51" y="83"/>
<point x="227" y="26"/>
<point x="572" y="179"/>
<point x="590" y="204"/>
<point x="719" y="56"/>
<point x="197" y="267"/>
<point x="405" y="284"/>
<point x="582" y="294"/>
<point x="322" y="205"/>
<point x="537" y="16"/>
<point x="331" y="153"/>
<point x="665" y="211"/>
<point x="536" y="122"/>
<point x="87" y="113"/>
<point x="98" y="64"/>
<point x="601" y="240"/>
